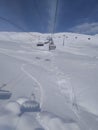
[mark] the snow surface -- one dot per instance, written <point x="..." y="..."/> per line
<point x="64" y="81"/>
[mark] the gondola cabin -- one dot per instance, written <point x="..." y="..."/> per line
<point x="52" y="47"/>
<point x="40" y="44"/>
<point x="4" y="95"/>
<point x="30" y="106"/>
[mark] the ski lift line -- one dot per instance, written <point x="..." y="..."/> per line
<point x="19" y="27"/>
<point x="55" y="17"/>
<point x="12" y="23"/>
<point x="15" y="25"/>
<point x="22" y="29"/>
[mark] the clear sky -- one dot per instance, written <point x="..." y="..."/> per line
<point x="80" y="16"/>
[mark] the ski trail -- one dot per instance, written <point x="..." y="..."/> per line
<point x="36" y="81"/>
<point x="62" y="80"/>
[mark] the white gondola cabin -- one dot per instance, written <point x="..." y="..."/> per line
<point x="30" y="106"/>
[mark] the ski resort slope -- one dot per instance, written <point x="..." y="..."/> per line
<point x="64" y="81"/>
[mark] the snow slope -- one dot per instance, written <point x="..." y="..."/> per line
<point x="64" y="81"/>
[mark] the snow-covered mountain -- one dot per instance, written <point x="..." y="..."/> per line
<point x="31" y="36"/>
<point x="64" y="81"/>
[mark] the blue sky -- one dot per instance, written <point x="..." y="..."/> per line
<point x="80" y="16"/>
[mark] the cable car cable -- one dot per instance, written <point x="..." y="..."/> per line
<point x="55" y="17"/>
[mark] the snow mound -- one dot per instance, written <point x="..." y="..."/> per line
<point x="52" y="122"/>
<point x="13" y="107"/>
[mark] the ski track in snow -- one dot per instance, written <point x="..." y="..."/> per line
<point x="62" y="80"/>
<point x="36" y="81"/>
